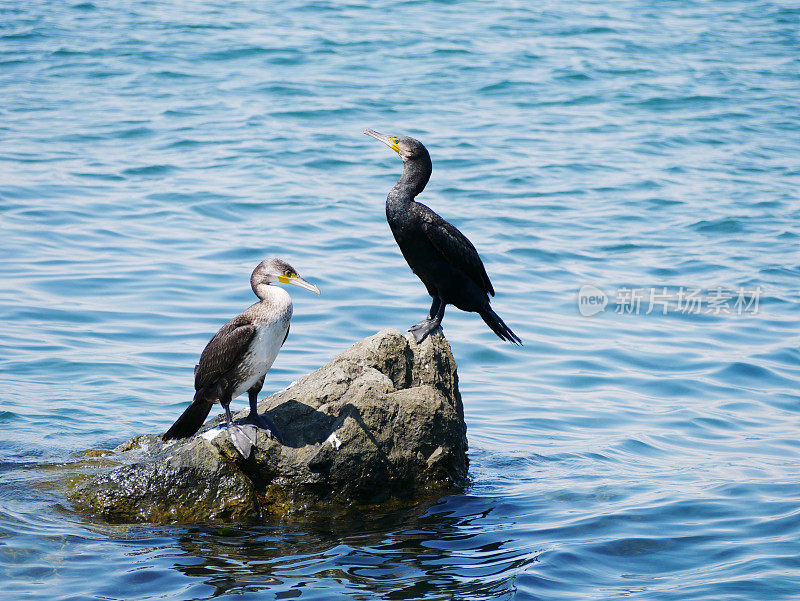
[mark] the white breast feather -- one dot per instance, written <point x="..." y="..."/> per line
<point x="270" y="334"/>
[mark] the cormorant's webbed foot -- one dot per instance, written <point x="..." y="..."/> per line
<point x="265" y="423"/>
<point x="421" y="330"/>
<point x="242" y="437"/>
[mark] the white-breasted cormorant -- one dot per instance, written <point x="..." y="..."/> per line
<point x="441" y="256"/>
<point x="239" y="355"/>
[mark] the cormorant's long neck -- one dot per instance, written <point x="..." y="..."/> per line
<point x="272" y="294"/>
<point x="416" y="173"/>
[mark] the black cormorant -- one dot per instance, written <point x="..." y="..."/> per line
<point x="441" y="256"/>
<point x="239" y="355"/>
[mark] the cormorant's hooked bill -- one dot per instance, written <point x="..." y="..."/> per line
<point x="437" y="252"/>
<point x="298" y="281"/>
<point x="238" y="357"/>
<point x="390" y="141"/>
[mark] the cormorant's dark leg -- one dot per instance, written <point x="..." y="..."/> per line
<point x="252" y="395"/>
<point x="226" y="404"/>
<point x="439" y="314"/>
<point x="421" y="330"/>
<point x="434" y="307"/>
<point x="261" y="421"/>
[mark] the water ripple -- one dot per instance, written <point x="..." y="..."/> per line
<point x="152" y="155"/>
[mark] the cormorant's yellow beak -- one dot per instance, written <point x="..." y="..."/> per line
<point x="390" y="141"/>
<point x="298" y="281"/>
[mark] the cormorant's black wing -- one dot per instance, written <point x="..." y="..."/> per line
<point x="455" y="247"/>
<point x="224" y="350"/>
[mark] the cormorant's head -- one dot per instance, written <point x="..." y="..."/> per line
<point x="275" y="270"/>
<point x="409" y="149"/>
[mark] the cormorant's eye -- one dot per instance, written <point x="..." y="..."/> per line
<point x="395" y="141"/>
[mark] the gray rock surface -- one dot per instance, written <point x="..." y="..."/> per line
<point x="381" y="421"/>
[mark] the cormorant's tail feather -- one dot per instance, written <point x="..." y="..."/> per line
<point x="498" y="326"/>
<point x="190" y="421"/>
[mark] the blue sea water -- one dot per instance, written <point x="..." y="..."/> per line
<point x="151" y="153"/>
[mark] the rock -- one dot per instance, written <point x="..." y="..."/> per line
<point x="381" y="421"/>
